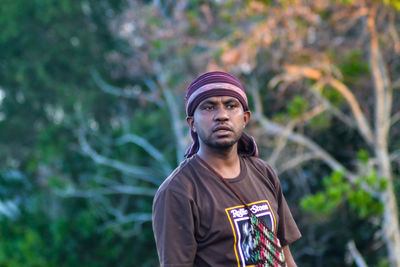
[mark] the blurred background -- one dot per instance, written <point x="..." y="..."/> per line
<point x="92" y="120"/>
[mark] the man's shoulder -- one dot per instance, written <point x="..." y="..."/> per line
<point x="260" y="163"/>
<point x="264" y="168"/>
<point x="179" y="179"/>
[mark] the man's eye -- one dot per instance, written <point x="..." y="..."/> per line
<point x="208" y="107"/>
<point x="231" y="106"/>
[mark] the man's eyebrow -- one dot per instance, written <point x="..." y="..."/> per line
<point x="230" y="100"/>
<point x="208" y="102"/>
<point x="214" y="102"/>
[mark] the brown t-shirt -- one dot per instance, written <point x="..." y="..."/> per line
<point x="198" y="221"/>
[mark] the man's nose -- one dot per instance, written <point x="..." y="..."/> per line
<point x="221" y="114"/>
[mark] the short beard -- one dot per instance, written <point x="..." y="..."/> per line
<point x="226" y="145"/>
<point x="219" y="145"/>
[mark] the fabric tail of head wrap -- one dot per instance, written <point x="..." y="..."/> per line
<point x="217" y="83"/>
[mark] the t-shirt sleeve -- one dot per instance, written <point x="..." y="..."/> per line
<point x="173" y="227"/>
<point x="288" y="232"/>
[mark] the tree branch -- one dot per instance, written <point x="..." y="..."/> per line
<point x="396" y="84"/>
<point x="150" y="149"/>
<point x="363" y="125"/>
<point x="132" y="93"/>
<point x="282" y="140"/>
<point x="174" y="115"/>
<point x="139" y="172"/>
<point x="355" y="254"/>
<point x="395" y="118"/>
<point x="315" y="90"/>
<point x="275" y="129"/>
<point x="383" y="90"/>
<point x="296" y="161"/>
<point x="293" y="71"/>
<point x="395" y="155"/>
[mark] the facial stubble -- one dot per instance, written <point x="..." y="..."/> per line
<point x="215" y="143"/>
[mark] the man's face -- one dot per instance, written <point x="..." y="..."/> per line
<point x="219" y="121"/>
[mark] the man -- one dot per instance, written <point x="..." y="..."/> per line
<point x="206" y="212"/>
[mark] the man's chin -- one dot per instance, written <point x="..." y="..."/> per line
<point x="223" y="145"/>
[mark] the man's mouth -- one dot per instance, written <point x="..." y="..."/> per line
<point x="222" y="131"/>
<point x="222" y="128"/>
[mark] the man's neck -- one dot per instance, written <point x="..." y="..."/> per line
<point x="225" y="162"/>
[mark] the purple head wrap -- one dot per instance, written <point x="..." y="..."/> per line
<point x="217" y="83"/>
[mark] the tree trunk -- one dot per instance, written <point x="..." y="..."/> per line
<point x="390" y="223"/>
<point x="383" y="106"/>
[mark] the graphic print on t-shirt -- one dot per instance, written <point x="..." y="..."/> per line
<point x="240" y="222"/>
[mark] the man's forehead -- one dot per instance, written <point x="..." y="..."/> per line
<point x="216" y="99"/>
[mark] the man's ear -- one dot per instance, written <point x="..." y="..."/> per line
<point x="190" y="122"/>
<point x="247" y="115"/>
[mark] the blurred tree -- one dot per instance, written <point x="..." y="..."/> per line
<point x="316" y="49"/>
<point x="310" y="55"/>
<point x="91" y="110"/>
<point x="47" y="92"/>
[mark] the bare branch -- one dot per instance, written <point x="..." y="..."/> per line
<point x="150" y="149"/>
<point x="395" y="118"/>
<point x="315" y="111"/>
<point x="139" y="172"/>
<point x="282" y="141"/>
<point x="294" y="71"/>
<point x="318" y="152"/>
<point x="383" y="109"/>
<point x="283" y="77"/>
<point x="258" y="106"/>
<point x="351" y="19"/>
<point x="395" y="156"/>
<point x="315" y="90"/>
<point x="396" y="84"/>
<point x="383" y="90"/>
<point x="283" y="138"/>
<point x="303" y="71"/>
<point x="131" y="93"/>
<point x="174" y="115"/>
<point x="296" y="161"/>
<point x="355" y="254"/>
<point x="359" y="116"/>
<point x="275" y="129"/>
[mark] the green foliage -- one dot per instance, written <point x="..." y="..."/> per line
<point x="364" y="204"/>
<point x="321" y="121"/>
<point x="317" y="204"/>
<point x="333" y="96"/>
<point x="383" y="263"/>
<point x="297" y="106"/>
<point x="324" y="203"/>
<point x="48" y="49"/>
<point x="337" y="190"/>
<point x="363" y="156"/>
<point x="36" y="240"/>
<point x="353" y="66"/>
